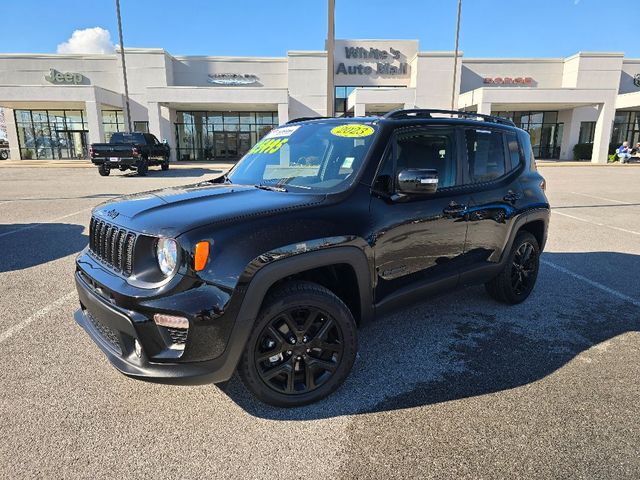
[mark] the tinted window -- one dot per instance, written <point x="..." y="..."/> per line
<point x="485" y="154"/>
<point x="429" y="148"/>
<point x="127" y="138"/>
<point x="514" y="150"/>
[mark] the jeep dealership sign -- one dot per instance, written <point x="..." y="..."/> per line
<point x="60" y="78"/>
<point x="373" y="62"/>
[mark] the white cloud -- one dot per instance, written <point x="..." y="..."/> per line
<point x="89" y="40"/>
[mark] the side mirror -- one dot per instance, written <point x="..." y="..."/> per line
<point x="417" y="181"/>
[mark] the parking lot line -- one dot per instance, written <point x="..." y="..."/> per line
<point x="39" y="314"/>
<point x="595" y="223"/>
<point x="36" y="225"/>
<point x="593" y="283"/>
<point x="602" y="198"/>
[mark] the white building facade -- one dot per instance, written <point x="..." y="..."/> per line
<point x="216" y="108"/>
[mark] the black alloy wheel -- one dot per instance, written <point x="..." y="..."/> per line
<point x="298" y="350"/>
<point x="104" y="170"/>
<point x="518" y="277"/>
<point x="523" y="268"/>
<point x="143" y="167"/>
<point x="302" y="348"/>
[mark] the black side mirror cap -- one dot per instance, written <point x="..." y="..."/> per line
<point x="417" y="181"/>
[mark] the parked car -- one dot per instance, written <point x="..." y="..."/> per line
<point x="130" y="151"/>
<point x="4" y="149"/>
<point x="323" y="225"/>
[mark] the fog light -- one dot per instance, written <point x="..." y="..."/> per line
<point x="170" y="321"/>
<point x="137" y="347"/>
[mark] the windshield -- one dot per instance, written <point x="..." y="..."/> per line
<point x="313" y="156"/>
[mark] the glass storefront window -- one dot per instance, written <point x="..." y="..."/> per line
<point x="626" y="127"/>
<point x="220" y="135"/>
<point x="543" y="127"/>
<point x="51" y="133"/>
<point x="142" y="127"/>
<point x="112" y="121"/>
<point x="587" y="130"/>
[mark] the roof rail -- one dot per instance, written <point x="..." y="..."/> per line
<point x="426" y="113"/>
<point x="304" y="119"/>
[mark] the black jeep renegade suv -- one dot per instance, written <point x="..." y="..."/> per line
<point x="324" y="224"/>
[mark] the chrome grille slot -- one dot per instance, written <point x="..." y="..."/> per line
<point x="112" y="245"/>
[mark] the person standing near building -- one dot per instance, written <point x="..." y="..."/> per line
<point x="624" y="152"/>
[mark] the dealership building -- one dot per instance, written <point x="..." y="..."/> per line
<point x="218" y="107"/>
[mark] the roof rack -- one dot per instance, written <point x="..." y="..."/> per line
<point x="426" y="113"/>
<point x="304" y="119"/>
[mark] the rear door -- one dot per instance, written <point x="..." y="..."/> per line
<point x="493" y="161"/>
<point x="419" y="240"/>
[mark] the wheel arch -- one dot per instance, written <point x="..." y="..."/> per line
<point x="328" y="267"/>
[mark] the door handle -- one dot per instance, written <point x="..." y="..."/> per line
<point x="454" y="208"/>
<point x="511" y="197"/>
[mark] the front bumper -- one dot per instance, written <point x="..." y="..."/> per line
<point x="115" y="331"/>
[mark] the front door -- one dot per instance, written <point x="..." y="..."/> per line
<point x="72" y="144"/>
<point x="419" y="240"/>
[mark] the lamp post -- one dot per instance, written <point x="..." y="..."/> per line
<point x="124" y="68"/>
<point x="330" y="48"/>
<point x="455" y="59"/>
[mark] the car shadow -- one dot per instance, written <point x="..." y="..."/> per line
<point x="29" y="244"/>
<point x="175" y="173"/>
<point x="464" y="344"/>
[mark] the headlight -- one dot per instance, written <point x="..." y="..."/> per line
<point x="167" y="253"/>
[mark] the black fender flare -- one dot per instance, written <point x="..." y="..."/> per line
<point x="268" y="275"/>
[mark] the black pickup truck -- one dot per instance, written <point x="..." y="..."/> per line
<point x="130" y="151"/>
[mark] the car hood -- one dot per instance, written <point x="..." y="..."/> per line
<point x="176" y="210"/>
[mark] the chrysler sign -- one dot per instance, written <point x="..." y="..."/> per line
<point x="232" y="78"/>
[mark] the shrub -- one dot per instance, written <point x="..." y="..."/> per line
<point x="582" y="151"/>
<point x="613" y="147"/>
<point x="28" y="154"/>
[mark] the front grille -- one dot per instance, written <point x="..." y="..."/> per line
<point x="178" y="335"/>
<point x="105" y="332"/>
<point x="112" y="245"/>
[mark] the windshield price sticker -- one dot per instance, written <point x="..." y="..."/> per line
<point x="353" y="130"/>
<point x="268" y="145"/>
<point x="282" y="132"/>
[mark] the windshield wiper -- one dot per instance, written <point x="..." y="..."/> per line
<point x="273" y="188"/>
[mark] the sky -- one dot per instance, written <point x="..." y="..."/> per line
<point x="489" y="28"/>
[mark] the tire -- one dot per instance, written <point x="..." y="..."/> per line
<point x="516" y="281"/>
<point x="104" y="170"/>
<point x="143" y="167"/>
<point x="165" y="165"/>
<point x="4" y="154"/>
<point x="306" y="362"/>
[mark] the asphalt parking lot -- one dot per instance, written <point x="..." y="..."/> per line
<point x="455" y="387"/>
